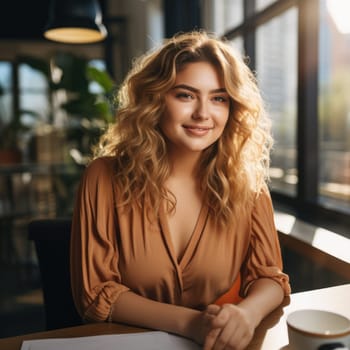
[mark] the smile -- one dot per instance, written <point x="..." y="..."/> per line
<point x="194" y="127"/>
<point x="197" y="130"/>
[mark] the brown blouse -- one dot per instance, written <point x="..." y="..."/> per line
<point x="113" y="251"/>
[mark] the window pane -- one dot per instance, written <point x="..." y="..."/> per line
<point x="6" y="75"/>
<point x="37" y="103"/>
<point x="334" y="105"/>
<point x="238" y="44"/>
<point x="30" y="78"/>
<point x="261" y="4"/>
<point x="233" y="13"/>
<point x="227" y="14"/>
<point x="277" y="76"/>
<point x="6" y="96"/>
<point x="33" y="95"/>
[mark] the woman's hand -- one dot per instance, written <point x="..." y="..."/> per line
<point x="231" y="327"/>
<point x="200" y="326"/>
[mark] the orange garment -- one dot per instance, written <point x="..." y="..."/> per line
<point x="232" y="295"/>
<point x="113" y="251"/>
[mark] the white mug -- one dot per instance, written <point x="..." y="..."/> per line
<point x="318" y="330"/>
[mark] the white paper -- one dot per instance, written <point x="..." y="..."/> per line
<point x="130" y="341"/>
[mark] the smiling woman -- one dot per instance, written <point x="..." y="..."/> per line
<point x="174" y="210"/>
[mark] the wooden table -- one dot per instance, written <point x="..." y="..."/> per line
<point x="270" y="335"/>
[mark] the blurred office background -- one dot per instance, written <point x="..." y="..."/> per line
<point x="55" y="99"/>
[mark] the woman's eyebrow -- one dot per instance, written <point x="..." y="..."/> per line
<point x="193" y="89"/>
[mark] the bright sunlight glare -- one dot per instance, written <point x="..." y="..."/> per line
<point x="332" y="243"/>
<point x="339" y="11"/>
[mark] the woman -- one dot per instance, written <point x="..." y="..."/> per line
<point x="174" y="208"/>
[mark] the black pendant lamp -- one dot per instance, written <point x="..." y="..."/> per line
<point x="75" y="22"/>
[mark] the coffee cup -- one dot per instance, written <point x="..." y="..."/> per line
<point x="318" y="330"/>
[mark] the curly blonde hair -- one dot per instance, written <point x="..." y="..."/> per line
<point x="231" y="172"/>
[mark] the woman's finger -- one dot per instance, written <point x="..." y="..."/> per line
<point x="210" y="339"/>
<point x="213" y="309"/>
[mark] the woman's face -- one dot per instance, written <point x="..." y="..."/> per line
<point x="196" y="108"/>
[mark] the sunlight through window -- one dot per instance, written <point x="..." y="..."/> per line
<point x="339" y="10"/>
<point x="332" y="243"/>
<point x="284" y="222"/>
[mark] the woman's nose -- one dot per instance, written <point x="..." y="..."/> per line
<point x="201" y="111"/>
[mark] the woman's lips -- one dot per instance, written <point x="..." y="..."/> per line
<point x="197" y="130"/>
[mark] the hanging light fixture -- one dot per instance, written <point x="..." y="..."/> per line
<point x="75" y="21"/>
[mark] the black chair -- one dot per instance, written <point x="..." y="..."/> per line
<point x="52" y="239"/>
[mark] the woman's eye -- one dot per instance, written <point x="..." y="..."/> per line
<point x="220" y="99"/>
<point x="184" y="96"/>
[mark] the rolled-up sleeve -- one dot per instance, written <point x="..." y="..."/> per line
<point x="95" y="278"/>
<point x="264" y="258"/>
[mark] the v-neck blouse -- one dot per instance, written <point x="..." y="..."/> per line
<point x="194" y="237"/>
<point x="113" y="251"/>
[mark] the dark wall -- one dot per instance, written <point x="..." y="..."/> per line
<point x="181" y="15"/>
<point x="23" y="19"/>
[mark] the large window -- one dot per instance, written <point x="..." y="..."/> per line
<point x="300" y="51"/>
<point x="276" y="66"/>
<point x="334" y="105"/>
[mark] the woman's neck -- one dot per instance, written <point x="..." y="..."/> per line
<point x="184" y="164"/>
